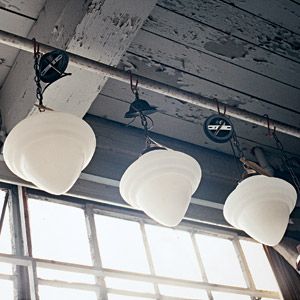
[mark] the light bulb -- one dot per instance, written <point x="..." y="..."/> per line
<point x="50" y="149"/>
<point x="161" y="183"/>
<point x="261" y="206"/>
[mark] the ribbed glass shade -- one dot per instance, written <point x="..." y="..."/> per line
<point x="161" y="183"/>
<point x="50" y="149"/>
<point x="261" y="206"/>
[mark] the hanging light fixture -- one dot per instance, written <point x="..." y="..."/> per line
<point x="49" y="149"/>
<point x="161" y="181"/>
<point x="260" y="205"/>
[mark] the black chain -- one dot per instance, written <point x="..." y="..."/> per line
<point x="37" y="79"/>
<point x="286" y="161"/>
<point x="144" y="118"/>
<point x="237" y="144"/>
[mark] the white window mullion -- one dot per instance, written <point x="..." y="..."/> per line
<point x="92" y="236"/>
<point x="201" y="265"/>
<point x="149" y="258"/>
<point x="244" y="265"/>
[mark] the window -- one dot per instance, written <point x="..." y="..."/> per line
<point x="58" y="232"/>
<point x="6" y="289"/>
<point x="81" y="252"/>
<point x="260" y="268"/>
<point x="6" y="283"/>
<point x="220" y="260"/>
<point x="124" y="250"/>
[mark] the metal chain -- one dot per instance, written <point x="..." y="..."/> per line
<point x="286" y="161"/>
<point x="237" y="145"/>
<point x="37" y="78"/>
<point x="145" y="124"/>
<point x="39" y="90"/>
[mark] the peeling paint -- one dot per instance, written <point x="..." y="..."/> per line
<point x="260" y="59"/>
<point x="229" y="48"/>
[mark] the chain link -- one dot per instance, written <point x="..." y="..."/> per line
<point x="286" y="161"/>
<point x="39" y="90"/>
<point x="237" y="145"/>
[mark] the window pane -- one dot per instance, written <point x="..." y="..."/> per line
<point x="129" y="285"/>
<point x="259" y="266"/>
<point x="58" y="232"/>
<point x="176" y="291"/>
<point x="120" y="297"/>
<point x="6" y="268"/>
<point x="6" y="290"/>
<point x="5" y="238"/>
<point x="220" y="260"/>
<point x="64" y="276"/>
<point x="227" y="296"/>
<point x="172" y="253"/>
<point x="121" y="244"/>
<point x="54" y="293"/>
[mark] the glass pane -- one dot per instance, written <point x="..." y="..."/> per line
<point x="65" y="276"/>
<point x="5" y="237"/>
<point x="129" y="285"/>
<point x="259" y="266"/>
<point x="187" y="293"/>
<point x="121" y="244"/>
<point x="227" y="296"/>
<point x="6" y="290"/>
<point x="120" y="297"/>
<point x="6" y="268"/>
<point x="58" y="232"/>
<point x="220" y="260"/>
<point x="54" y="293"/>
<point x="172" y="253"/>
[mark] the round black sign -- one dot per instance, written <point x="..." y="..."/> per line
<point x="218" y="128"/>
<point x="52" y="65"/>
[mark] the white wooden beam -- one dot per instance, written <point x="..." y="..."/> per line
<point x="99" y="29"/>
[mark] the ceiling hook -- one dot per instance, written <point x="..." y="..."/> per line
<point x="134" y="87"/>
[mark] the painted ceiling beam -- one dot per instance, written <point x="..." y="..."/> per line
<point x="101" y="30"/>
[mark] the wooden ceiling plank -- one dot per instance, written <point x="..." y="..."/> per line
<point x="3" y="72"/>
<point x="29" y="8"/>
<point x="14" y="23"/>
<point x="281" y="12"/>
<point x="17" y="25"/>
<point x="191" y="61"/>
<point x="192" y="83"/>
<point x="99" y="29"/>
<point x="180" y="29"/>
<point x="232" y="20"/>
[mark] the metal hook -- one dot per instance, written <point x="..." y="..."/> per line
<point x="134" y="87"/>
<point x="268" y="124"/>
<point x="36" y="47"/>
<point x="218" y="108"/>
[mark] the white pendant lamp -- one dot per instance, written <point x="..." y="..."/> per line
<point x="161" y="183"/>
<point x="261" y="206"/>
<point x="50" y="149"/>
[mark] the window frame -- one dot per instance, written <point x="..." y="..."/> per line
<point x="22" y="259"/>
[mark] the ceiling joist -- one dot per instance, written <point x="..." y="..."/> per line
<point x="100" y="30"/>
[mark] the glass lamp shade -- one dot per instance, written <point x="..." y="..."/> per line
<point x="261" y="206"/>
<point x="161" y="183"/>
<point x="50" y="149"/>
